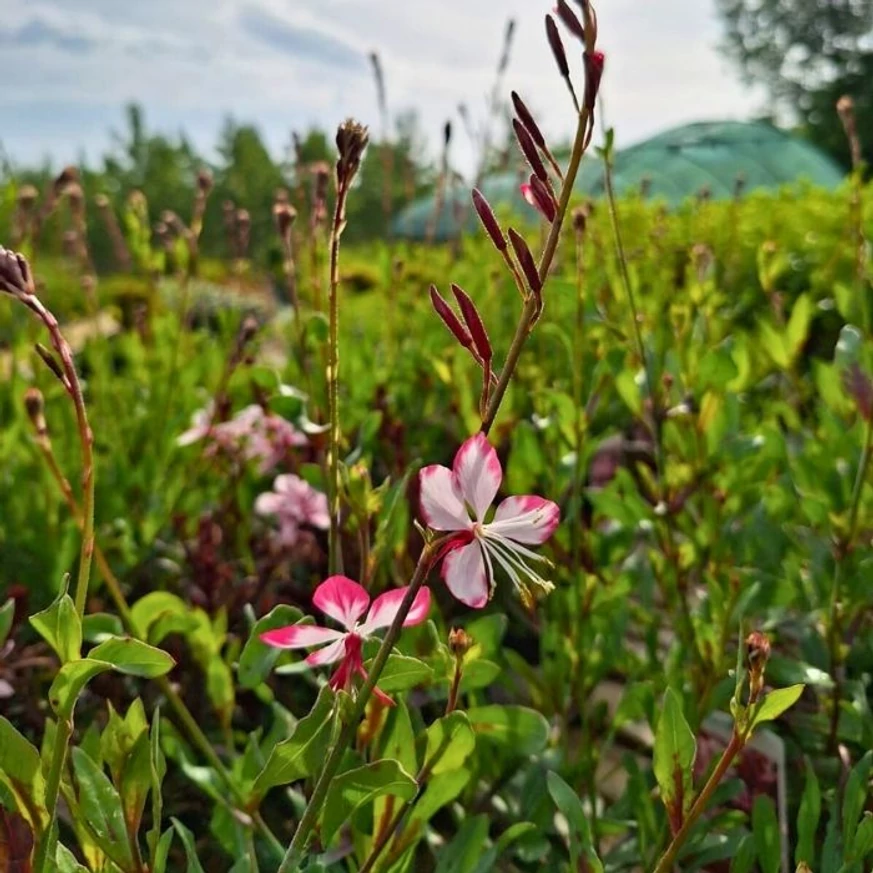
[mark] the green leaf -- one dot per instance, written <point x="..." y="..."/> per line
<point x="60" y="626"/>
<point x="855" y="797"/>
<point x="675" y="750"/>
<point x="69" y="682"/>
<point x="160" y="613"/>
<point x="187" y="839"/>
<point x="99" y="626"/>
<point x="519" y="730"/>
<point x="21" y="772"/>
<point x="133" y="657"/>
<point x="798" y="325"/>
<point x="775" y="703"/>
<point x="157" y="771"/>
<point x="488" y="861"/>
<point x="356" y="787"/>
<point x="774" y="344"/>
<point x="848" y="348"/>
<point x="7" y="614"/>
<point x="400" y="738"/>
<point x="302" y="753"/>
<point x="100" y="805"/>
<point x="402" y="673"/>
<point x="450" y="742"/>
<point x="744" y="860"/>
<point x="66" y="861"/>
<point x="807" y="818"/>
<point x="462" y="854"/>
<point x="257" y="658"/>
<point x="765" y="831"/>
<point x="862" y="841"/>
<point x="162" y="851"/>
<point x="570" y="806"/>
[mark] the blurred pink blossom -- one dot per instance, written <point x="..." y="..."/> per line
<point x="294" y="502"/>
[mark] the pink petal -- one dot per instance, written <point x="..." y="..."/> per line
<point x="342" y="599"/>
<point x="527" y="519"/>
<point x="298" y="636"/>
<point x="527" y="193"/>
<point x="385" y="607"/>
<point x="478" y="472"/>
<point x="464" y="572"/>
<point x="329" y="654"/>
<point x="269" y="503"/>
<point x="442" y="504"/>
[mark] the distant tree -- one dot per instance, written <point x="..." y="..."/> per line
<point x="807" y="53"/>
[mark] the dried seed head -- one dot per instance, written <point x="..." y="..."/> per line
<point x="76" y="197"/>
<point x="247" y="330"/>
<point x="15" y="275"/>
<point x="67" y="176"/>
<point x="580" y="219"/>
<point x="243" y="219"/>
<point x="281" y="195"/>
<point x="70" y="243"/>
<point x="758" y="650"/>
<point x="204" y="181"/>
<point x="489" y="222"/>
<point x="283" y="215"/>
<point x="34" y="404"/>
<point x="137" y="201"/>
<point x="527" y="120"/>
<point x="460" y="642"/>
<point x="569" y="20"/>
<point x="351" y="140"/>
<point x="101" y="201"/>
<point x="525" y="260"/>
<point x="846" y="106"/>
<point x="557" y="47"/>
<point x="27" y="195"/>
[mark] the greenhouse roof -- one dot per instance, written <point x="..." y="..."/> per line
<point x="671" y="167"/>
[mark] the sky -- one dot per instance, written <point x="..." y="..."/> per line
<point x="70" y="66"/>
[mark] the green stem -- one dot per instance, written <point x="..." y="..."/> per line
<point x="334" y="558"/>
<point x="297" y="849"/>
<point x="668" y="859"/>
<point x="530" y="307"/>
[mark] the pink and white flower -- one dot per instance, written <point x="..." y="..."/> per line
<point x="345" y="601"/>
<point x="295" y="503"/>
<point x="459" y="500"/>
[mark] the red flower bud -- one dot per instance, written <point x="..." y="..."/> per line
<point x="450" y="320"/>
<point x="569" y="19"/>
<point x="529" y="149"/>
<point x="594" y="62"/>
<point x="527" y="120"/>
<point x="538" y="195"/>
<point x="557" y="46"/>
<point x="489" y="222"/>
<point x="525" y="261"/>
<point x="474" y="323"/>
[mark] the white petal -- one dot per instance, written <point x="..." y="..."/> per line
<point x="526" y="519"/>
<point x="478" y="472"/>
<point x="269" y="503"/>
<point x="342" y="599"/>
<point x="300" y="636"/>
<point x="328" y="654"/>
<point x="442" y="504"/>
<point x="386" y="606"/>
<point x="464" y="572"/>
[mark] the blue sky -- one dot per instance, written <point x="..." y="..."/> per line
<point x="71" y="65"/>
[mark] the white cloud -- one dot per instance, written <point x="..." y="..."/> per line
<point x="281" y="64"/>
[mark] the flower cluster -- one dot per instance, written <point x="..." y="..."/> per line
<point x="295" y="503"/>
<point x="253" y="433"/>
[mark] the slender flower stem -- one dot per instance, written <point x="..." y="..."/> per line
<point x="529" y="313"/>
<point x="668" y="859"/>
<point x="297" y="849"/>
<point x="334" y="557"/>
<point x="834" y="623"/>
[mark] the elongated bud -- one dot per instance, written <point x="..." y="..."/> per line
<point x="489" y="222"/>
<point x="594" y="62"/>
<point x="283" y="216"/>
<point x="569" y="20"/>
<point x="15" y="276"/>
<point x="846" y="111"/>
<point x="450" y="320"/>
<point x="538" y="195"/>
<point x="460" y="642"/>
<point x="474" y="323"/>
<point x="204" y="181"/>
<point x="447" y="133"/>
<point x="34" y="404"/>
<point x="580" y="219"/>
<point x="68" y="176"/>
<point x="50" y="361"/>
<point x="529" y="150"/>
<point x="758" y="652"/>
<point x="525" y="261"/>
<point x="527" y="120"/>
<point x="557" y="46"/>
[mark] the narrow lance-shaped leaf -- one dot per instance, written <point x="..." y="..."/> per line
<point x="675" y="750"/>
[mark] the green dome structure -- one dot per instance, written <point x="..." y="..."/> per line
<point x="671" y="167"/>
